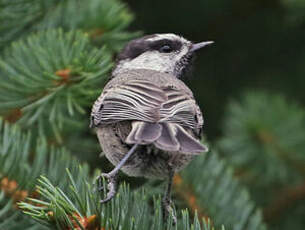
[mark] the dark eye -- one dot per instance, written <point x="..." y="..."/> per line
<point x="166" y="49"/>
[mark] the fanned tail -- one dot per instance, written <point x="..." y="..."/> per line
<point x="143" y="133"/>
<point x="188" y="144"/>
<point x="166" y="136"/>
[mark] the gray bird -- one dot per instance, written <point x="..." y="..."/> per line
<point x="148" y="123"/>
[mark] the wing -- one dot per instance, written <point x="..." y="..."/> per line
<point x="180" y="108"/>
<point x="137" y="100"/>
<point x="164" y="116"/>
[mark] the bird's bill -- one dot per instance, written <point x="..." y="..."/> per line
<point x="200" y="45"/>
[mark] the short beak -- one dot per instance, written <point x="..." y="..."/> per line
<point x="200" y="45"/>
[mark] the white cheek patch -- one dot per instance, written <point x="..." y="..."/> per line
<point x="181" y="54"/>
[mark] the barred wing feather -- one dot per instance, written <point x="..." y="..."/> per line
<point x="135" y="100"/>
<point x="162" y="116"/>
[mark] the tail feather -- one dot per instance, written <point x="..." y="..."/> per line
<point x="143" y="133"/>
<point x="167" y="141"/>
<point x="189" y="144"/>
<point x="165" y="136"/>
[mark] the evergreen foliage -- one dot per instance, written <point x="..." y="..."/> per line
<point x="74" y="202"/>
<point x="218" y="194"/>
<point x="22" y="161"/>
<point x="55" y="57"/>
<point x="262" y="124"/>
<point x="65" y="75"/>
<point x="105" y="21"/>
<point x="264" y="140"/>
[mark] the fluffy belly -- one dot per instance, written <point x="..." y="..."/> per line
<point x="147" y="160"/>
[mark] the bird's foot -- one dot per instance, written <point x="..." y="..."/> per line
<point x="167" y="208"/>
<point x="111" y="186"/>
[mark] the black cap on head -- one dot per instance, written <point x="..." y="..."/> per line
<point x="138" y="46"/>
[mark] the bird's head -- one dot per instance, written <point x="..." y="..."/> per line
<point x="167" y="53"/>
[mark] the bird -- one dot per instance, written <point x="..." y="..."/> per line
<point x="147" y="120"/>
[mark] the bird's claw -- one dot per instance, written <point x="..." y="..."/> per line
<point x="106" y="175"/>
<point x="99" y="183"/>
<point x="168" y="209"/>
<point x="111" y="186"/>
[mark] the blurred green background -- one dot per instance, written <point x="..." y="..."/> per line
<point x="258" y="45"/>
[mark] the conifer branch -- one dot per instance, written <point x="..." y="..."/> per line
<point x="256" y="138"/>
<point x="58" y="84"/>
<point x="212" y="185"/>
<point x="127" y="211"/>
<point x="264" y="139"/>
<point x="104" y="20"/>
<point x="74" y="202"/>
<point x="184" y="191"/>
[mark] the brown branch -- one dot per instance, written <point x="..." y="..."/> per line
<point x="96" y="32"/>
<point x="64" y="74"/>
<point x="87" y="223"/>
<point x="13" y="115"/>
<point x="10" y="189"/>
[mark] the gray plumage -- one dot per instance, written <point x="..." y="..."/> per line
<point x="154" y="109"/>
<point x="148" y="123"/>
